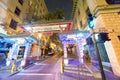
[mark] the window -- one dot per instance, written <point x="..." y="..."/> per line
<point x="17" y="11"/>
<point x="21" y="52"/>
<point x="20" y="1"/>
<point x="113" y="1"/>
<point x="13" y="24"/>
<point x="81" y="24"/>
<point x="41" y="5"/>
<point x="119" y="37"/>
<point x="78" y="12"/>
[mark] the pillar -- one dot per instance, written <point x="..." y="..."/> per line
<point x="39" y="51"/>
<point x="65" y="51"/>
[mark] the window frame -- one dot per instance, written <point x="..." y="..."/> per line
<point x="17" y="11"/>
<point x="112" y="1"/>
<point x="21" y="2"/>
<point x="13" y="24"/>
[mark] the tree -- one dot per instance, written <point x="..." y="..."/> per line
<point x="57" y="14"/>
<point x="55" y="38"/>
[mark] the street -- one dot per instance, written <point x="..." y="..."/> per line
<point x="46" y="70"/>
<point x="49" y="69"/>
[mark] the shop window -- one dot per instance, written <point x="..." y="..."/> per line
<point x="17" y="11"/>
<point x="113" y="1"/>
<point x="21" y="52"/>
<point x="20" y="1"/>
<point x="13" y="24"/>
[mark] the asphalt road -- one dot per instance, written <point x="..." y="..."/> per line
<point x="49" y="69"/>
<point x="46" y="70"/>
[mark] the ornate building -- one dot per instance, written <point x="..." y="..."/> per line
<point x="14" y="12"/>
<point x="106" y="17"/>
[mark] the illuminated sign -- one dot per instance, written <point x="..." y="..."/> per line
<point x="49" y="28"/>
<point x="58" y="27"/>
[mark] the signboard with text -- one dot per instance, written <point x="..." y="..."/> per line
<point x="102" y="30"/>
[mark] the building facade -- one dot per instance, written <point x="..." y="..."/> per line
<point x="16" y="12"/>
<point x="107" y="18"/>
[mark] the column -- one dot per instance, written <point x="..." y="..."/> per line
<point x="39" y="53"/>
<point x="65" y="51"/>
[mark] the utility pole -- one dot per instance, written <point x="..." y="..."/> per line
<point x="91" y="26"/>
<point x="98" y="56"/>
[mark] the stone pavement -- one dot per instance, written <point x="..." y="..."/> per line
<point x="76" y="70"/>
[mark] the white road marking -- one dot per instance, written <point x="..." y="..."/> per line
<point x="36" y="74"/>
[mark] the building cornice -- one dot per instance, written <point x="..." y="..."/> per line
<point x="74" y="7"/>
<point x="105" y="9"/>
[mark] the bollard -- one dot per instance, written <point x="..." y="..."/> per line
<point x="61" y="65"/>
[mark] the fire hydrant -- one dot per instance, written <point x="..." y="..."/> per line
<point x="13" y="66"/>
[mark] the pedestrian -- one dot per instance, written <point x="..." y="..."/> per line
<point x="13" y="63"/>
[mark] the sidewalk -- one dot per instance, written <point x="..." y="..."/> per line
<point x="76" y="70"/>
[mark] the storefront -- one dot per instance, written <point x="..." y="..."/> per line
<point x="20" y="51"/>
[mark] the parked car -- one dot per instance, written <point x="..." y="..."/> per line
<point x="50" y="53"/>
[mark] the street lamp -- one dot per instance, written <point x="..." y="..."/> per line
<point x="91" y="25"/>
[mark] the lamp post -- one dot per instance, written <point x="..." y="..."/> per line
<point x="91" y="25"/>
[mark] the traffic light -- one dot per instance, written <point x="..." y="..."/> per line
<point x="90" y="17"/>
<point x="104" y="37"/>
<point x="91" y="24"/>
<point x="90" y="21"/>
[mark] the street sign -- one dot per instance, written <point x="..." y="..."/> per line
<point x="102" y="30"/>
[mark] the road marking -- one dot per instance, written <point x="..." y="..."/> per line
<point x="36" y="74"/>
<point x="40" y="64"/>
<point x="80" y="73"/>
<point x="35" y="70"/>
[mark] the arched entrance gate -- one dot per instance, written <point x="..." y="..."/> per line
<point x="74" y="43"/>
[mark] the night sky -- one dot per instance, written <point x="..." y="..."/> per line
<point x="64" y="4"/>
